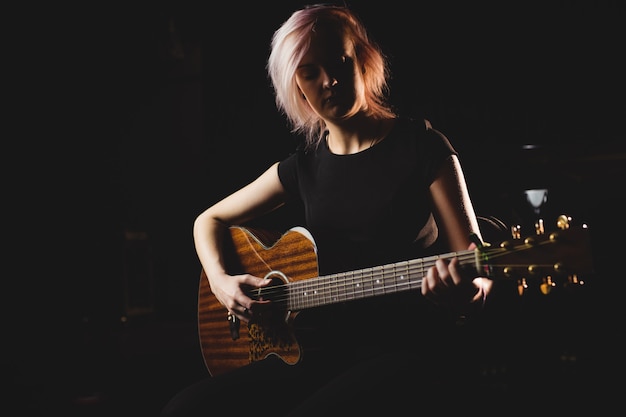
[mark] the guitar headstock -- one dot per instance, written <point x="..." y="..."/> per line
<point x="546" y="258"/>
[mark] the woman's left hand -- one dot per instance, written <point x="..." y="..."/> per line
<point x="448" y="285"/>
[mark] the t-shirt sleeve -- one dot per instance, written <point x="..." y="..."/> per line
<point x="288" y="174"/>
<point x="437" y="149"/>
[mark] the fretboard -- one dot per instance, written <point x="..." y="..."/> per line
<point x="358" y="284"/>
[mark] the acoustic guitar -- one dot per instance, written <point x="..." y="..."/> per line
<point x="289" y="259"/>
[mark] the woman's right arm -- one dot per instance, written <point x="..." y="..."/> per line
<point x="261" y="196"/>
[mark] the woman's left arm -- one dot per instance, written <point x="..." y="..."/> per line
<point x="453" y="207"/>
<point x="445" y="283"/>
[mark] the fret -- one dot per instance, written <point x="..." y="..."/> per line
<point x="357" y="286"/>
<point x="388" y="279"/>
<point x="334" y="288"/>
<point x="414" y="273"/>
<point x="378" y="287"/>
<point x="303" y="290"/>
<point x="368" y="287"/>
<point x="294" y="296"/>
<point x="403" y="277"/>
<point x="344" y="291"/>
<point x="354" y="285"/>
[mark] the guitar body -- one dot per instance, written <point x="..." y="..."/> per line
<point x="288" y="257"/>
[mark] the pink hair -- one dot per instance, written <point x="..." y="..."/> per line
<point x="289" y="44"/>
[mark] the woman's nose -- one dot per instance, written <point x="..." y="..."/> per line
<point x="330" y="81"/>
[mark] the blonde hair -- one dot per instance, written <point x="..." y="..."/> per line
<point x="289" y="44"/>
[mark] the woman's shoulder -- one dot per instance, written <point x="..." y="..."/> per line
<point x="415" y="128"/>
<point x="418" y="125"/>
<point x="419" y="132"/>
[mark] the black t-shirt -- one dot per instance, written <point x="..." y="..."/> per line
<point x="371" y="207"/>
<point x="367" y="209"/>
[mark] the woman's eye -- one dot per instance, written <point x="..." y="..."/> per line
<point x="308" y="73"/>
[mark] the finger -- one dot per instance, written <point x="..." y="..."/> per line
<point x="443" y="271"/>
<point x="256" y="282"/>
<point x="484" y="288"/>
<point x="429" y="282"/>
<point x="263" y="282"/>
<point x="244" y="307"/>
<point x="241" y="312"/>
<point x="454" y="272"/>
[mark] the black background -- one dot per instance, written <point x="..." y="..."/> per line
<point x="134" y="119"/>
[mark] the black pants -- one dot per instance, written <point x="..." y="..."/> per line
<point x="390" y="381"/>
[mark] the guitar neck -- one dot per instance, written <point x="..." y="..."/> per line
<point x="364" y="283"/>
<point x="563" y="252"/>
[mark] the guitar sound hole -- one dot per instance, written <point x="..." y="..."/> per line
<point x="277" y="293"/>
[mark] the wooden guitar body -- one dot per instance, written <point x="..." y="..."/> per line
<point x="260" y="253"/>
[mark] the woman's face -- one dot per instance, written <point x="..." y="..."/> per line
<point x="329" y="76"/>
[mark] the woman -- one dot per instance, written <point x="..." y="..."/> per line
<point x="375" y="188"/>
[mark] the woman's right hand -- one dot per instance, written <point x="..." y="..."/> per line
<point x="230" y="290"/>
<point x="263" y="195"/>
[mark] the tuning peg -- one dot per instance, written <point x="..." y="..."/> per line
<point x="539" y="229"/>
<point x="563" y="222"/>
<point x="522" y="286"/>
<point x="516" y="231"/>
<point x="546" y="285"/>
<point x="574" y="281"/>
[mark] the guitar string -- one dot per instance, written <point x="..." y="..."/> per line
<point x="316" y="292"/>
<point x="320" y="289"/>
<point x="345" y="280"/>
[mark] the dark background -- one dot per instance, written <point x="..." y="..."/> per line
<point x="132" y="120"/>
